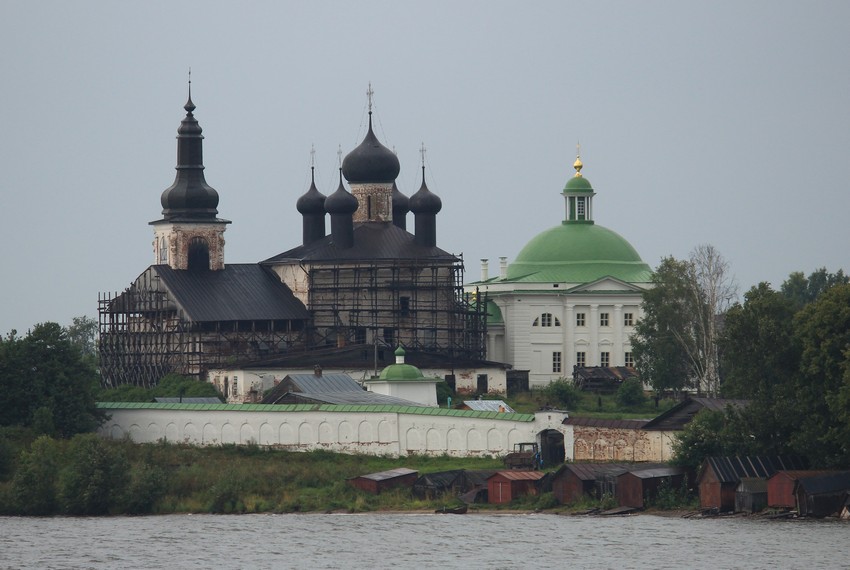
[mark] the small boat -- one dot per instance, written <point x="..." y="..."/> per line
<point x="461" y="510"/>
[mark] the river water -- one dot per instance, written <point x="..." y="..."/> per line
<point x="377" y="541"/>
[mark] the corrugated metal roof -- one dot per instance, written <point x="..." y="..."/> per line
<point x="733" y="469"/>
<point x="654" y="472"/>
<point x="390" y="474"/>
<point x="308" y="383"/>
<point x="514" y="475"/>
<point x="826" y="483"/>
<point x="330" y="408"/>
<point x="489" y="406"/>
<point x="372" y="241"/>
<point x="682" y="413"/>
<point x="344" y="398"/>
<point x="239" y="292"/>
<point x="605" y="423"/>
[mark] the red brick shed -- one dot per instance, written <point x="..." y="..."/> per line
<point x="505" y="486"/>
<point x="377" y="482"/>
<point x="780" y="487"/>
<point x="635" y="487"/>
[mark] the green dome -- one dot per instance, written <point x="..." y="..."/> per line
<point x="578" y="253"/>
<point x="578" y="184"/>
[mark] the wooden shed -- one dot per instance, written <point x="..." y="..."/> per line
<point x="505" y="486"/>
<point x="635" y="488"/>
<point x="378" y="482"/>
<point x="823" y="495"/>
<point x="782" y="484"/>
<point x="751" y="496"/>
<point x="719" y="477"/>
<point x="572" y="481"/>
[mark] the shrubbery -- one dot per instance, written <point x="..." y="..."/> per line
<point x="562" y="393"/>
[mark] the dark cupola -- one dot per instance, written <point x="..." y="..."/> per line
<point x="370" y="161"/>
<point x="401" y="206"/>
<point x="371" y="169"/>
<point x="311" y="205"/>
<point x="341" y="206"/>
<point x="425" y="206"/>
<point x="190" y="197"/>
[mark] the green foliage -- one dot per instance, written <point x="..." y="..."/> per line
<point x="801" y="290"/>
<point x="444" y="392"/>
<point x="174" y="386"/>
<point x="630" y="394"/>
<point x="34" y="488"/>
<point x="125" y="393"/>
<point x="94" y="475"/>
<point x="670" y="497"/>
<point x="45" y="371"/>
<point x="701" y="438"/>
<point x="561" y="393"/>
<point x="663" y="338"/>
<point x="148" y="484"/>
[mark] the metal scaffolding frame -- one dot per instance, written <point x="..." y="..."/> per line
<point x="416" y="303"/>
<point x="143" y="336"/>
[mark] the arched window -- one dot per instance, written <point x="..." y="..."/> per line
<point x="199" y="254"/>
<point x="163" y="250"/>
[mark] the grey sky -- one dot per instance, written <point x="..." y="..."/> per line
<point x="714" y="122"/>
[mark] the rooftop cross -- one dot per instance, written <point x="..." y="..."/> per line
<point x="369" y="94"/>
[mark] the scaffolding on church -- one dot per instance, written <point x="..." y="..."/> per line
<point x="416" y="303"/>
<point x="144" y="337"/>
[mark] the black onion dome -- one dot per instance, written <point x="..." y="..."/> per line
<point x="370" y="161"/>
<point x="340" y="202"/>
<point x="312" y="201"/>
<point x="190" y="196"/>
<point x="425" y="201"/>
<point x="401" y="203"/>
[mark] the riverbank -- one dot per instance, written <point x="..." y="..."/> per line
<point x="88" y="475"/>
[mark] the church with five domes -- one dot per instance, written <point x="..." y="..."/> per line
<point x="340" y="295"/>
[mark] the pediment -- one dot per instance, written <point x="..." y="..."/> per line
<point x="606" y="284"/>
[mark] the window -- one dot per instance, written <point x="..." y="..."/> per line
<point x="629" y="319"/>
<point x="536" y="322"/>
<point x="235" y="387"/>
<point x="630" y="360"/>
<point x="603" y="319"/>
<point x="546" y="320"/>
<point x="579" y="319"/>
<point x="389" y="336"/>
<point x="404" y="306"/>
<point x="605" y="359"/>
<point x="556" y="362"/>
<point x="580" y="211"/>
<point x="163" y="250"/>
<point x="360" y="335"/>
<point x="557" y="322"/>
<point x="580" y="359"/>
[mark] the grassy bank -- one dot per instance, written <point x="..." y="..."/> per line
<point x="87" y="475"/>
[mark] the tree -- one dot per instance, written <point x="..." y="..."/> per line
<point x="802" y="290"/>
<point x="822" y="388"/>
<point x="44" y="375"/>
<point x="82" y="332"/>
<point x="94" y="476"/>
<point x="676" y="340"/>
<point x="630" y="393"/>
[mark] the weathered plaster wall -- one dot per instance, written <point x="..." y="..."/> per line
<point x="585" y="443"/>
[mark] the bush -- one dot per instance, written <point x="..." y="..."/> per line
<point x="562" y="393"/>
<point x="94" y="477"/>
<point x="630" y="394"/>
<point x="34" y="483"/>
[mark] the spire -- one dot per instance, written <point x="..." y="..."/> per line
<point x="578" y="164"/>
<point x="190" y="197"/>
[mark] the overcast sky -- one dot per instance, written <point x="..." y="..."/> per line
<point x="723" y="122"/>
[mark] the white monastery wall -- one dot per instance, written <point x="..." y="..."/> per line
<point x="372" y="433"/>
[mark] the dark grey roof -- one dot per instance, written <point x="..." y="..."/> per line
<point x="826" y="483"/>
<point x="239" y="292"/>
<point x="372" y="241"/>
<point x="682" y="413"/>
<point x="185" y="400"/>
<point x="733" y="469"/>
<point x="605" y="423"/>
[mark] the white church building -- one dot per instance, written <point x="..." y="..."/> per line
<point x="570" y="298"/>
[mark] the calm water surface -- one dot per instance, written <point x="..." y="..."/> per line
<point x="378" y="541"/>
